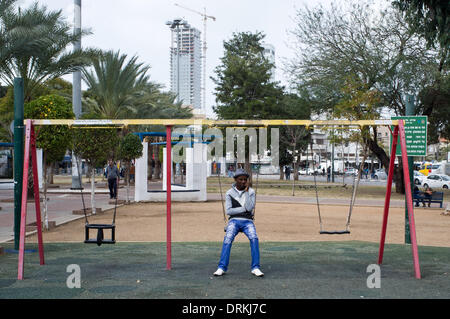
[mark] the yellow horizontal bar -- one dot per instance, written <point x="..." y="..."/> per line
<point x="172" y="122"/>
<point x="95" y="127"/>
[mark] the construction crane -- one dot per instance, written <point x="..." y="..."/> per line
<point x="205" y="17"/>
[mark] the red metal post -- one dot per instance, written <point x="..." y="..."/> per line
<point x="23" y="213"/>
<point x="409" y="202"/>
<point x="36" y="194"/>
<point x="387" y="198"/>
<point x="169" y="195"/>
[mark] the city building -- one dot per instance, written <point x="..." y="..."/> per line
<point x="269" y="54"/>
<point x="186" y="64"/>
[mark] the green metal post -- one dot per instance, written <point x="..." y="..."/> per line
<point x="18" y="156"/>
<point x="410" y="111"/>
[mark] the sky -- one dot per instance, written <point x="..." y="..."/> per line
<point x="138" y="27"/>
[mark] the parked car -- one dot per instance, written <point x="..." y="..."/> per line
<point x="303" y="171"/>
<point x="351" y="171"/>
<point x="380" y="174"/>
<point x="418" y="178"/>
<point x="436" y="181"/>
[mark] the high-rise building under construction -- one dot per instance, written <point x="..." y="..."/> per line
<point x="186" y="65"/>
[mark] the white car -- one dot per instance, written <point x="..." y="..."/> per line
<point x="302" y="172"/>
<point x="351" y="171"/>
<point x="436" y="181"/>
<point x="380" y="174"/>
<point x="418" y="178"/>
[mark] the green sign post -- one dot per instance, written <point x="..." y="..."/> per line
<point x="416" y="135"/>
<point x="416" y="145"/>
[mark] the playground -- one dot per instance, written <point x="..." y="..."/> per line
<point x="282" y="222"/>
<point x="169" y="248"/>
<point x="297" y="261"/>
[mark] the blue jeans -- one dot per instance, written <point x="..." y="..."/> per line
<point x="235" y="226"/>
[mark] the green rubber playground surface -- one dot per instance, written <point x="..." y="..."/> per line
<point x="292" y="270"/>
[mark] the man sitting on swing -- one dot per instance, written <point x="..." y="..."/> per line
<point x="239" y="205"/>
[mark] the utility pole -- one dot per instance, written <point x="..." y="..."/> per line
<point x="18" y="156"/>
<point x="76" y="90"/>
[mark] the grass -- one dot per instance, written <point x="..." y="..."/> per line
<point x="292" y="270"/>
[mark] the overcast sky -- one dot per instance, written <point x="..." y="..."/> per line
<point x="137" y="27"/>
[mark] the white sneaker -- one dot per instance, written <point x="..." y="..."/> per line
<point x="257" y="272"/>
<point x="219" y="272"/>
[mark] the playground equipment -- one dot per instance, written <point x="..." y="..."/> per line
<point x="355" y="184"/>
<point x="99" y="227"/>
<point x="398" y="130"/>
<point x="193" y="190"/>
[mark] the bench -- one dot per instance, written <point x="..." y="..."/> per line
<point x="436" y="197"/>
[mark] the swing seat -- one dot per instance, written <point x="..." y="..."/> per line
<point x="336" y="232"/>
<point x="100" y="235"/>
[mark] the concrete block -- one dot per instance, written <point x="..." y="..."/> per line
<point x="30" y="228"/>
<point x="119" y="202"/>
<point x="33" y="227"/>
<point x="88" y="211"/>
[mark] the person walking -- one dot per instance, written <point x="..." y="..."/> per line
<point x="113" y="176"/>
<point x="287" y="172"/>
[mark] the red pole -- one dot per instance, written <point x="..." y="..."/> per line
<point x="36" y="194"/>
<point x="387" y="198"/>
<point x="409" y="199"/>
<point x="169" y="195"/>
<point x="23" y="213"/>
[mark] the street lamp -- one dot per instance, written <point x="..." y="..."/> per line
<point x="175" y="24"/>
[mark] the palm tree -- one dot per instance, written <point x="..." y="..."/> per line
<point x="114" y="83"/>
<point x="152" y="102"/>
<point x="33" y="46"/>
<point x="6" y="47"/>
<point x="120" y="88"/>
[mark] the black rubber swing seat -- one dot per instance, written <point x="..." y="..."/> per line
<point x="337" y="232"/>
<point x="100" y="235"/>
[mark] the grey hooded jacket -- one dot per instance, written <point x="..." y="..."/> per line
<point x="234" y="200"/>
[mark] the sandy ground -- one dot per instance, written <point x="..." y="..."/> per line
<point x="197" y="222"/>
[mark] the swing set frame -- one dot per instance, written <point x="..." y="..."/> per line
<point x="30" y="149"/>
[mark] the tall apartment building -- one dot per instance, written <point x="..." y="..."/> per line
<point x="186" y="66"/>
<point x="269" y="54"/>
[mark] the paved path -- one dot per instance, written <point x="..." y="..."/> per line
<point x="61" y="204"/>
